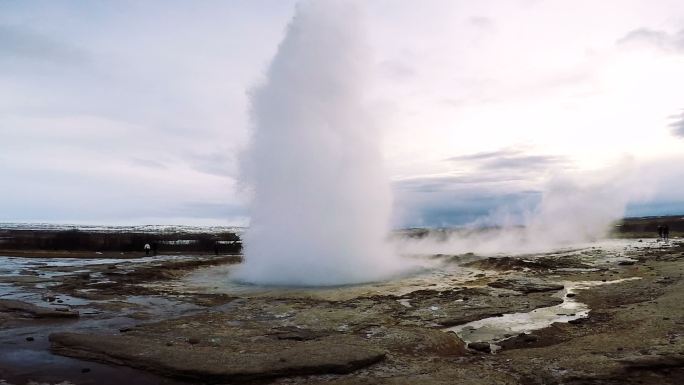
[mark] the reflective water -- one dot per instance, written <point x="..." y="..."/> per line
<point x="497" y="329"/>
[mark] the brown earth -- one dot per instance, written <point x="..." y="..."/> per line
<point x="634" y="333"/>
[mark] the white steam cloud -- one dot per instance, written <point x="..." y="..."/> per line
<point x="321" y="200"/>
<point x="573" y="210"/>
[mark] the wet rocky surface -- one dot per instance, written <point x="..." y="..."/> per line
<point x="228" y="355"/>
<point x="526" y="285"/>
<point x="598" y="320"/>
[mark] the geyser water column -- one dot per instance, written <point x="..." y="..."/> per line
<point x="321" y="200"/>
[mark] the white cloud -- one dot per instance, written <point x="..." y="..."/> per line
<point x="672" y="42"/>
<point x="678" y="124"/>
<point x="108" y="99"/>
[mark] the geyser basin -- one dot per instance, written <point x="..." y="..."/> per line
<point x="321" y="199"/>
<point x="431" y="275"/>
<point x="427" y="272"/>
<point x="404" y="317"/>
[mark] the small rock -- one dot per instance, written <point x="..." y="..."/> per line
<point x="570" y="295"/>
<point x="259" y="339"/>
<point x="85" y="370"/>
<point x="483" y="347"/>
<point x="193" y="341"/>
<point x="530" y="338"/>
<point x="526" y="285"/>
<point x="29" y="339"/>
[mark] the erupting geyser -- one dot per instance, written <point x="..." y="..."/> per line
<point x="321" y="200"/>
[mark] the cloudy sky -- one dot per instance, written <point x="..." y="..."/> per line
<point x="128" y="112"/>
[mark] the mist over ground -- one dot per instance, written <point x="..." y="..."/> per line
<point x="572" y="210"/>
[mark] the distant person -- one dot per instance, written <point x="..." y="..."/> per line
<point x="155" y="247"/>
<point x="147" y="249"/>
<point x="666" y="233"/>
<point x="660" y="232"/>
<point x="216" y="248"/>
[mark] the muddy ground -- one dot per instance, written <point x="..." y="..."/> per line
<point x="604" y="315"/>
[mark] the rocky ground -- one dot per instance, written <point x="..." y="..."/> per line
<point x="620" y="321"/>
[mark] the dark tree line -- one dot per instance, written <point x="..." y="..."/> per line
<point x="113" y="241"/>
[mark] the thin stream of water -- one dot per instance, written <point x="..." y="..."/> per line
<point x="494" y="330"/>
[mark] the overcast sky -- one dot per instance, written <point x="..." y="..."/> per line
<point x="129" y="112"/>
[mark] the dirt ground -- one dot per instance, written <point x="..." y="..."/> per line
<point x="94" y="323"/>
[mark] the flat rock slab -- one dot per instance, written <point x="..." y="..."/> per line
<point x="526" y="285"/>
<point x="275" y="358"/>
<point x="536" y="264"/>
<point x="31" y="310"/>
<point x="418" y="341"/>
<point x="453" y="374"/>
<point x="654" y="361"/>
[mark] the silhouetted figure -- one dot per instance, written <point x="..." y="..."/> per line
<point x="155" y="247"/>
<point x="666" y="233"/>
<point x="147" y="249"/>
<point x="216" y="248"/>
<point x="660" y="232"/>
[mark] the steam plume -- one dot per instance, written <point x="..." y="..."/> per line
<point x="321" y="200"/>
<point x="573" y="210"/>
